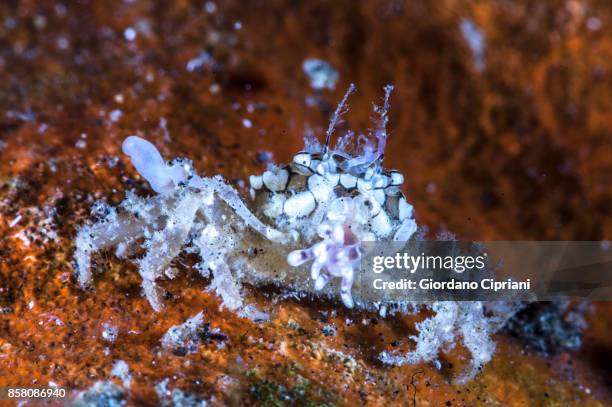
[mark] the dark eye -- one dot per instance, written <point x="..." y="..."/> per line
<point x="367" y="204"/>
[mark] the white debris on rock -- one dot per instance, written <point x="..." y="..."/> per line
<point x="109" y="332"/>
<point x="121" y="371"/>
<point x="189" y="334"/>
<point x="101" y="393"/>
<point x="15" y="221"/>
<point x="204" y="59"/>
<point x="176" y="397"/>
<point x="115" y="115"/>
<point x="320" y="74"/>
<point x="181" y="335"/>
<point x="475" y="38"/>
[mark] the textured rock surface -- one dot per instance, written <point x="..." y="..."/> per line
<point x="507" y="142"/>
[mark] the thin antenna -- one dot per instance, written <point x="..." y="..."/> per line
<point x="340" y="110"/>
<point x="381" y="131"/>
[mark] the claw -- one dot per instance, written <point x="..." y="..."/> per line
<point x="347" y="299"/>
<point x="321" y="281"/>
<point x="345" y="287"/>
<point x="315" y="270"/>
<point x="298" y="257"/>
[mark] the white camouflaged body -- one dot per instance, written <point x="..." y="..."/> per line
<point x="309" y="190"/>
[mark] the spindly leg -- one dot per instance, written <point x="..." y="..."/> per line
<point x="322" y="280"/>
<point x="315" y="269"/>
<point x="476" y="338"/>
<point x="299" y="257"/>
<point x="405" y="231"/>
<point x="226" y="286"/>
<point x="345" y="287"/>
<point x="230" y="196"/>
<point x="165" y="245"/>
<point x="100" y="236"/>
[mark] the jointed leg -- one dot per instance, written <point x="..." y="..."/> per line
<point x="165" y="245"/>
<point x="100" y="236"/>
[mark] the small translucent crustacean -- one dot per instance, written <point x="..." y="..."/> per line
<point x="317" y="210"/>
<point x="330" y="199"/>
